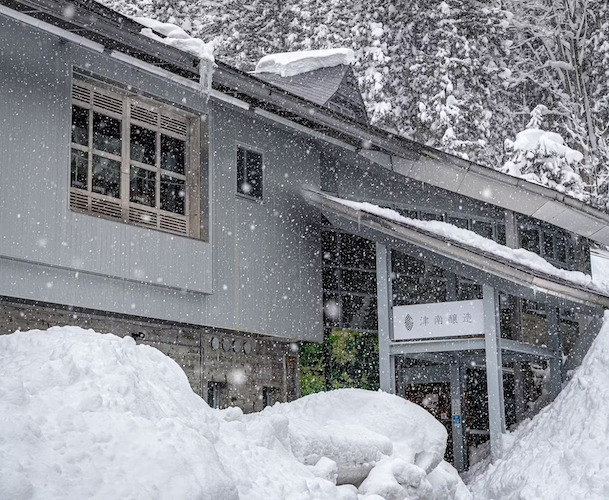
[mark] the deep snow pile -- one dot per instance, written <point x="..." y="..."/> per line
<point x="85" y="415"/>
<point x="294" y="63"/>
<point x="562" y="452"/>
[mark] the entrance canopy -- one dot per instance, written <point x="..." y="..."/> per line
<point x="496" y="267"/>
<point x="514" y="276"/>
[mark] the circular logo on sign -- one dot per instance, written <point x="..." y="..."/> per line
<point x="408" y="322"/>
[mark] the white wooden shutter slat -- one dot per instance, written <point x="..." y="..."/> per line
<point x="144" y="115"/>
<point x="81" y="93"/>
<point x="175" y="125"/>
<point x="108" y="103"/>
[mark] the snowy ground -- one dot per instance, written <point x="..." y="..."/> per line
<point x="562" y="452"/>
<point x="85" y="415"/>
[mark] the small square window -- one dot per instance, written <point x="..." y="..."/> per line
<point x="249" y="173"/>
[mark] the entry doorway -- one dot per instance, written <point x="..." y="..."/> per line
<point x="435" y="397"/>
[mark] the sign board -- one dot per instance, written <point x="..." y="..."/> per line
<point x="444" y="319"/>
<point x="599" y="264"/>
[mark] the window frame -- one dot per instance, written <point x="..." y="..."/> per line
<point x="217" y="394"/>
<point x="133" y="109"/>
<point x="548" y="239"/>
<point x="247" y="148"/>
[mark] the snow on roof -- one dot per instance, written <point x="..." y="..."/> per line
<point x="176" y="37"/>
<point x="86" y="415"/>
<point x="294" y="63"/>
<point x="518" y="256"/>
<point x="562" y="451"/>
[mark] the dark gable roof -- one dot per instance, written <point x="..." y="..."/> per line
<point x="334" y="88"/>
<point x="484" y="267"/>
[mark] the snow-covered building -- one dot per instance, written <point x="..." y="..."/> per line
<point x="216" y="214"/>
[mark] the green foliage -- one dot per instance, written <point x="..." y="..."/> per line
<point x="346" y="358"/>
<point x="312" y="378"/>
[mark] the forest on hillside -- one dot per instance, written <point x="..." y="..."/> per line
<point x="519" y="86"/>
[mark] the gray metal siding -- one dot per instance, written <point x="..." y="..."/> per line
<point x="36" y="225"/>
<point x="268" y="253"/>
<point x="238" y="280"/>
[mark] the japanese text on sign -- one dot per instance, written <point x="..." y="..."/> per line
<point x="445" y="319"/>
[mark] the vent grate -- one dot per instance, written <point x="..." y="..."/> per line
<point x="81" y="93"/>
<point x="173" y="224"/>
<point x="144" y="115"/>
<point x="174" y="125"/>
<point x="79" y="201"/>
<point x="108" y="103"/>
<point x="142" y="217"/>
<point x="107" y="208"/>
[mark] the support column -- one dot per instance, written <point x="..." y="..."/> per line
<point x="385" y="318"/>
<point x="457" y="379"/>
<point x="555" y="345"/>
<point x="512" y="240"/>
<point x="494" y="369"/>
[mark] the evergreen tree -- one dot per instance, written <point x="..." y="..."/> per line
<point x="557" y="47"/>
<point x="542" y="157"/>
<point x="457" y="66"/>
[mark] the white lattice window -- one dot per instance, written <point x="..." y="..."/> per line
<point x="135" y="160"/>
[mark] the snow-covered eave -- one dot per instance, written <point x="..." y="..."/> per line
<point x="483" y="266"/>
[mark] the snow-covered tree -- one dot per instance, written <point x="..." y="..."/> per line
<point x="457" y="65"/>
<point x="459" y="75"/>
<point x="558" y="62"/>
<point x="542" y="157"/>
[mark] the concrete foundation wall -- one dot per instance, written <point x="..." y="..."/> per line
<point x="205" y="354"/>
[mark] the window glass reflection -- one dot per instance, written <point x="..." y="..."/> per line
<point x="142" y="188"/>
<point x="80" y="126"/>
<point x="106" y="176"/>
<point x="79" y="167"/>
<point x="106" y="134"/>
<point x="143" y="145"/>
<point x="173" y="152"/>
<point x="172" y="194"/>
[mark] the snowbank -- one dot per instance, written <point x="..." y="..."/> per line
<point x="85" y="415"/>
<point x="293" y="63"/>
<point x="516" y="255"/>
<point x="561" y="452"/>
<point x="369" y="424"/>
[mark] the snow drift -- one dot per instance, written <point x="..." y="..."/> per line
<point x="561" y="452"/>
<point x="294" y="63"/>
<point x="176" y="37"/>
<point x="85" y="415"/>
